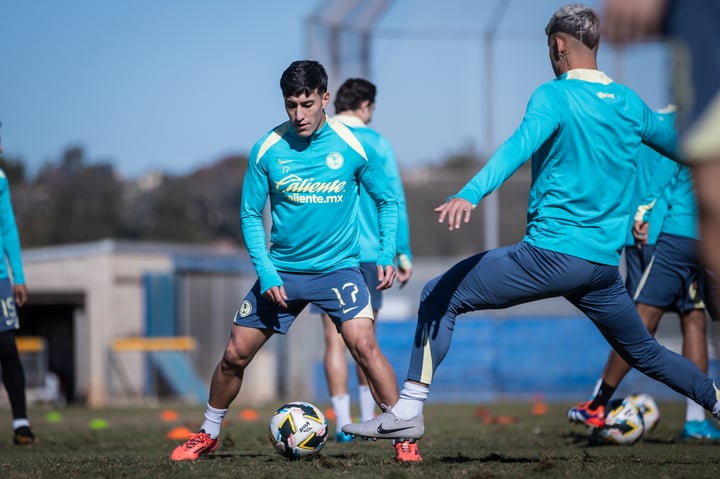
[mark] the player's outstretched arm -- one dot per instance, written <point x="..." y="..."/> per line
<point x="456" y="210"/>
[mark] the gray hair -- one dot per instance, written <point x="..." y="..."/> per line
<point x="578" y="21"/>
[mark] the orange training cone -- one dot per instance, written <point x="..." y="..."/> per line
<point x="249" y="414"/>
<point x="329" y="414"/>
<point x="169" y="415"/>
<point x="179" y="433"/>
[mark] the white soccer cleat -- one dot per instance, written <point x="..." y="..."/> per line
<point x="388" y="426"/>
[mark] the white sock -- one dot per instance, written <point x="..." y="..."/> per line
<point x="694" y="411"/>
<point x="341" y="406"/>
<point x="367" y="404"/>
<point x="412" y="400"/>
<point x="213" y="421"/>
<point x="716" y="410"/>
<point x="596" y="388"/>
<point x="20" y="423"/>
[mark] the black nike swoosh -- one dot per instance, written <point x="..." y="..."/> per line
<point x="382" y="430"/>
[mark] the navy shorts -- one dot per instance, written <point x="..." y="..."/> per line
<point x="672" y="277"/>
<point x="9" y="320"/>
<point x="342" y="294"/>
<point x="369" y="272"/>
<point x="636" y="260"/>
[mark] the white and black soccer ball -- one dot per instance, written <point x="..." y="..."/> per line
<point x="298" y="430"/>
<point x="623" y="423"/>
<point x="648" y="408"/>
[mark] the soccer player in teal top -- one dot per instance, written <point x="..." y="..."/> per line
<point x="12" y="293"/>
<point x="582" y="132"/>
<point x="354" y="106"/>
<point x="663" y="274"/>
<point x="311" y="169"/>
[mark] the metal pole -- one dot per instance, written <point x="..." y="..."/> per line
<point x="491" y="204"/>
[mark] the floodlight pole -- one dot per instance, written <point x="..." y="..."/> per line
<point x="490" y="203"/>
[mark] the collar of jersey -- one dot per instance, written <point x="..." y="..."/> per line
<point x="350" y="120"/>
<point x="587" y="74"/>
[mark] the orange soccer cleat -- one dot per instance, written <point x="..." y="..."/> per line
<point x="199" y="443"/>
<point x="406" y="451"/>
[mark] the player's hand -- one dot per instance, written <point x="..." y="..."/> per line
<point x="456" y="210"/>
<point x="403" y="276"/>
<point x="640" y="233"/>
<point x="21" y="294"/>
<point x="277" y="295"/>
<point x="404" y="270"/>
<point x="386" y="276"/>
<point x="627" y="21"/>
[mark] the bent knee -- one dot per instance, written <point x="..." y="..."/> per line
<point x="235" y="359"/>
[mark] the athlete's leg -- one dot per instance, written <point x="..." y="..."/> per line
<point x="336" y="372"/>
<point x="13" y="374"/>
<point x="227" y="378"/>
<point x="495" y="279"/>
<point x="694" y="330"/>
<point x="611" y="309"/>
<point x="592" y="413"/>
<point x="359" y="336"/>
<point x="616" y="368"/>
<point x="365" y="395"/>
<point x="695" y="348"/>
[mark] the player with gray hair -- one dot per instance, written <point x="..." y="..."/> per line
<point x="582" y="132"/>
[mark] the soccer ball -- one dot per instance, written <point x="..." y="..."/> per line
<point x="623" y="423"/>
<point x="298" y="430"/>
<point x="648" y="408"/>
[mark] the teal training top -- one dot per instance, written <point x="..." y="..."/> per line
<point x="671" y="187"/>
<point x="582" y="132"/>
<point x="9" y="235"/>
<point x="668" y="200"/>
<point x="649" y="200"/>
<point x="681" y="219"/>
<point x="313" y="185"/>
<point x="369" y="244"/>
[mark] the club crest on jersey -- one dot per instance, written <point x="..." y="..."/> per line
<point x="334" y="160"/>
<point x="245" y="309"/>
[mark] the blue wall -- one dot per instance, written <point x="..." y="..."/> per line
<point x="520" y="358"/>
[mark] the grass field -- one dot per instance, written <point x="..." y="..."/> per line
<point x="458" y="443"/>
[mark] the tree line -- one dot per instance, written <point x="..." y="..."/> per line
<point x="75" y="200"/>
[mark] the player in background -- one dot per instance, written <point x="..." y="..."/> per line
<point x="663" y="274"/>
<point x="582" y="132"/>
<point x="696" y="25"/>
<point x="310" y="168"/>
<point x="13" y="294"/>
<point x="354" y="106"/>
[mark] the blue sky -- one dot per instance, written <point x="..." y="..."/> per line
<point x="176" y="84"/>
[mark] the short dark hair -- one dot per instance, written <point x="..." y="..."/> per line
<point x="303" y="76"/>
<point x="352" y="93"/>
<point x="578" y="21"/>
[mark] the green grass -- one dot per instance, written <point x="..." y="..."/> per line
<point x="457" y="444"/>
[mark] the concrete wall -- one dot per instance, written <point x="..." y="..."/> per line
<point x="110" y="280"/>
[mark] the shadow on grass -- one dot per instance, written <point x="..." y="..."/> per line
<point x="215" y="456"/>
<point x="591" y="441"/>
<point x="492" y="457"/>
